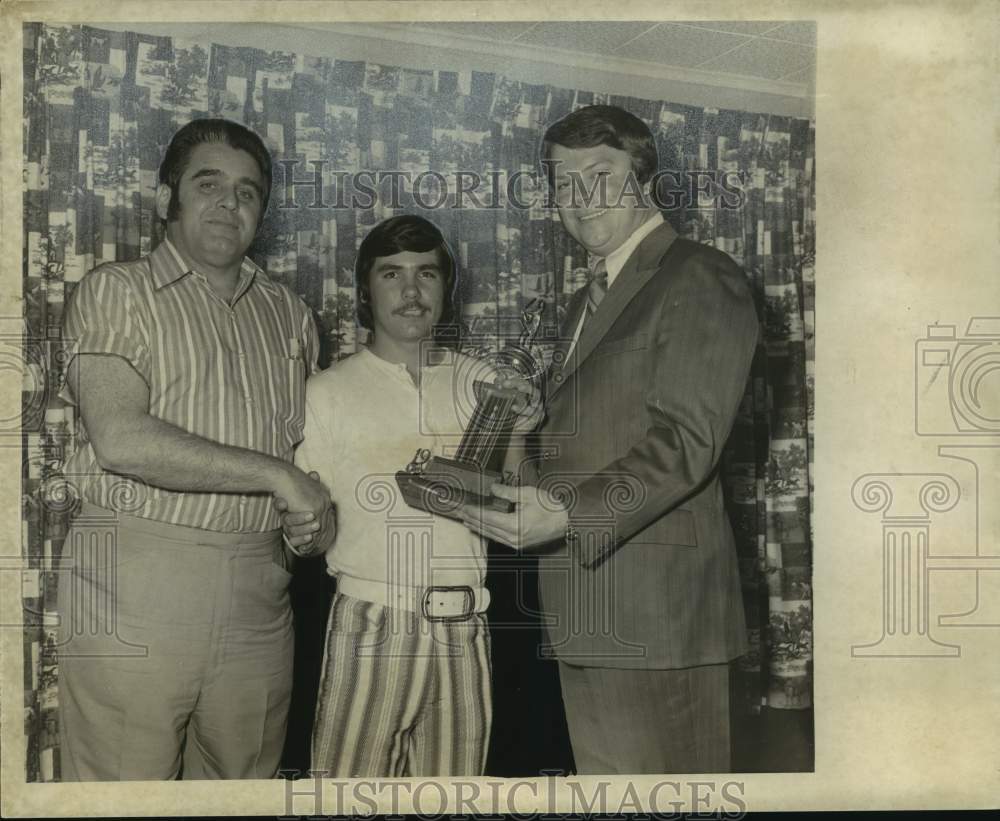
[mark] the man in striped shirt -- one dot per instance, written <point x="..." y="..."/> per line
<point x="189" y="371"/>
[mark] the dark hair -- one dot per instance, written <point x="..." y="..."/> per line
<point x="604" y="125"/>
<point x="407" y="232"/>
<point x="209" y="130"/>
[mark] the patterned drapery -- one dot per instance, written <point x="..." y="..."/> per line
<point x="100" y="107"/>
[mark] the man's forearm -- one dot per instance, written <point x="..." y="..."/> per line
<point x="166" y="456"/>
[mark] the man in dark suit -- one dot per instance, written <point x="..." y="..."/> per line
<point x="638" y="574"/>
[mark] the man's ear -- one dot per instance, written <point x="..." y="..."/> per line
<point x="163" y="194"/>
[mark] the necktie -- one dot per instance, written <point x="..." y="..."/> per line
<point x="598" y="285"/>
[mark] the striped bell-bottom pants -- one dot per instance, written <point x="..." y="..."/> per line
<point x="400" y="695"/>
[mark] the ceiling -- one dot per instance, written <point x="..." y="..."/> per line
<point x="746" y="65"/>
<point x="774" y="51"/>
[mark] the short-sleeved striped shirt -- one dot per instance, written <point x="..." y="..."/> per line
<point x="233" y="373"/>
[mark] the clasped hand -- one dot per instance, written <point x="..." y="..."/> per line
<point x="308" y="518"/>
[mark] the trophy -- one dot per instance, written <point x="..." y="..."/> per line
<point x="443" y="485"/>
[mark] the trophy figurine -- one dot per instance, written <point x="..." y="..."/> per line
<point x="443" y="485"/>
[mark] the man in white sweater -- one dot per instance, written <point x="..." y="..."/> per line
<point x="405" y="689"/>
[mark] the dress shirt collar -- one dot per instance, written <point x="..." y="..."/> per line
<point x="616" y="260"/>
<point x="169" y="266"/>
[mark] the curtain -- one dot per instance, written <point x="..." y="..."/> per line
<point x="99" y="110"/>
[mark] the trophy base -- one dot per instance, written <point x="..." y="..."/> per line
<point x="445" y="486"/>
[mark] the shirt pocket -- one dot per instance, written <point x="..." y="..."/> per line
<point x="288" y="372"/>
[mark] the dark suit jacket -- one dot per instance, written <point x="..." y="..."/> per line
<point x="636" y="423"/>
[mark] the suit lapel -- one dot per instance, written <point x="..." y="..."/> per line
<point x="638" y="270"/>
<point x="577" y="305"/>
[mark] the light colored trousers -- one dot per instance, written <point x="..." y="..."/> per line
<point x="175" y="645"/>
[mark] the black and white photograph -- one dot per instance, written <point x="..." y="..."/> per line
<point x="429" y="396"/>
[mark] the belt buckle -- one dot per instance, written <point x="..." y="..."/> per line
<point x="468" y="610"/>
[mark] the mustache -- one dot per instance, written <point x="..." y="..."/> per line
<point x="406" y="306"/>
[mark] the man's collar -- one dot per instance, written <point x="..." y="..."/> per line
<point x="168" y="266"/>
<point x="616" y="260"/>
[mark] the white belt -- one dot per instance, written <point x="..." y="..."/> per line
<point x="441" y="603"/>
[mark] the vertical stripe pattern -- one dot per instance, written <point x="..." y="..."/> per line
<point x="232" y="373"/>
<point x="401" y="696"/>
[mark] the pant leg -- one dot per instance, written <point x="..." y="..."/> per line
<point x="131" y="651"/>
<point x="648" y="721"/>
<point x="238" y="728"/>
<point x="373" y="686"/>
<point x="452" y="734"/>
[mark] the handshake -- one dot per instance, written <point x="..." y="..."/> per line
<point x="308" y="518"/>
<point x="309" y="521"/>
